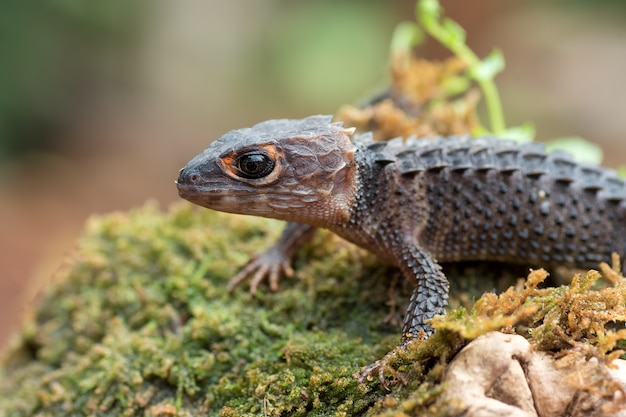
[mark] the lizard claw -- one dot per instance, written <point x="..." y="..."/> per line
<point x="268" y="265"/>
<point x="382" y="367"/>
<point x="276" y="261"/>
<point x="367" y="371"/>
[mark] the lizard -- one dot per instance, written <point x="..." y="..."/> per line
<point x="412" y="202"/>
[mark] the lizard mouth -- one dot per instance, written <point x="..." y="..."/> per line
<point x="187" y="192"/>
<point x="199" y="195"/>
<point x="217" y="198"/>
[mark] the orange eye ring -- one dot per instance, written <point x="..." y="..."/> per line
<point x="258" y="165"/>
<point x="253" y="165"/>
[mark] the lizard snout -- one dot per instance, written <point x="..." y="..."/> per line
<point x="188" y="177"/>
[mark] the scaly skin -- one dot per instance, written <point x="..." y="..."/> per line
<point x="413" y="203"/>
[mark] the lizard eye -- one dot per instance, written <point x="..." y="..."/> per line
<point x="253" y="165"/>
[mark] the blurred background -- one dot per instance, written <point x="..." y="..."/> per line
<point x="102" y="102"/>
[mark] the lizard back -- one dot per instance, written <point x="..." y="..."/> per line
<point x="490" y="199"/>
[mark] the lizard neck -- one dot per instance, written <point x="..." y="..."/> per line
<point x="333" y="195"/>
<point x="368" y="215"/>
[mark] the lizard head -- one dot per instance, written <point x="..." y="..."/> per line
<point x="296" y="170"/>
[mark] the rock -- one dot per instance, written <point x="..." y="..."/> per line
<point x="502" y="375"/>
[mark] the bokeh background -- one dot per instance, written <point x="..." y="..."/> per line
<point x="102" y="102"/>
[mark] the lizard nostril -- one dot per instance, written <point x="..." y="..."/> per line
<point x="184" y="177"/>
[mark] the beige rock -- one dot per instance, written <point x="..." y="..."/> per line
<point x="501" y="375"/>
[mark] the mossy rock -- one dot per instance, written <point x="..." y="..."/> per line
<point x="139" y="322"/>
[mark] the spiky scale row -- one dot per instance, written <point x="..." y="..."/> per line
<point x="486" y="153"/>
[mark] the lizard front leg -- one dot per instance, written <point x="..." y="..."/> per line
<point x="430" y="295"/>
<point x="429" y="299"/>
<point x="275" y="261"/>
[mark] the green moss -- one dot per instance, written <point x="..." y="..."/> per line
<point x="139" y="322"/>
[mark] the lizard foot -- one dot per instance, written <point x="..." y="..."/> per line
<point x="382" y="367"/>
<point x="269" y="265"/>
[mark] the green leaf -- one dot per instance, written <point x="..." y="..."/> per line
<point x="456" y="34"/>
<point x="406" y="35"/>
<point x="455" y="85"/>
<point x="488" y="67"/>
<point x="520" y="134"/>
<point x="428" y="11"/>
<point x="581" y="149"/>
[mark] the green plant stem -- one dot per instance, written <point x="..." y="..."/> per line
<point x="427" y="12"/>
<point x="494" y="106"/>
